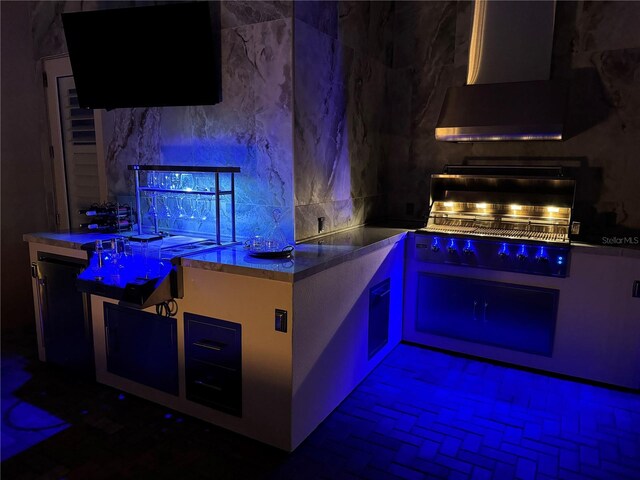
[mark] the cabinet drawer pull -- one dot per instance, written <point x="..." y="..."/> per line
<point x="208" y="385"/>
<point x="217" y="346"/>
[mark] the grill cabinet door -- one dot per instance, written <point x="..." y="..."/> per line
<point x="515" y="317"/>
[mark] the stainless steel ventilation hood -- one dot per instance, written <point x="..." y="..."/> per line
<point x="508" y="95"/>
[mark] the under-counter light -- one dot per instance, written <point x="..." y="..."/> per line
<point x="516" y="207"/>
<point x="448" y="204"/>
<point x="481" y="206"/>
<point x="453" y="134"/>
<point x="553" y="209"/>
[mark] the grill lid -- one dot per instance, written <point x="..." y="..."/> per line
<point x="536" y="208"/>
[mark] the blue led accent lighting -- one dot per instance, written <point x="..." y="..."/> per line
<point x="440" y="389"/>
<point x="504" y="249"/>
<point x="461" y="137"/>
<point x="469" y="245"/>
<point x="452" y="243"/>
<point x="127" y="270"/>
<point x="560" y="260"/>
<point x="523" y="249"/>
<point x="23" y="425"/>
<point x="255" y="197"/>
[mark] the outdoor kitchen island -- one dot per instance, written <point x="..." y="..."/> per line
<point x="265" y="348"/>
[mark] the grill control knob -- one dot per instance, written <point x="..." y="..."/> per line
<point x="467" y="251"/>
<point x="451" y="248"/>
<point x="521" y="256"/>
<point x="542" y="257"/>
<point x="435" y="248"/>
<point x="503" y="254"/>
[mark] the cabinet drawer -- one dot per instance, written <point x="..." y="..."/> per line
<point x="214" y="386"/>
<point x="217" y="343"/>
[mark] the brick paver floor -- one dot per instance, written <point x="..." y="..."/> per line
<point x="421" y="414"/>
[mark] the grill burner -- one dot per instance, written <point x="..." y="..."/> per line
<point x="499" y="232"/>
<point x="504" y="222"/>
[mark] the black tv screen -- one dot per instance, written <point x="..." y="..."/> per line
<point x="163" y="55"/>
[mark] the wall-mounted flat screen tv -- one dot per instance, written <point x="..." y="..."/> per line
<point x="152" y="56"/>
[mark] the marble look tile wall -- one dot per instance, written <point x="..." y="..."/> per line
<point x="234" y="13"/>
<point x="251" y="127"/>
<point x="49" y="36"/>
<point x="596" y="47"/>
<point x="341" y="102"/>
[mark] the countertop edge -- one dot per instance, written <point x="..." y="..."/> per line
<point x="354" y="254"/>
<point x="55" y="242"/>
<point x="296" y="276"/>
<point x="609" y="251"/>
<point x="186" y="262"/>
<point x="72" y="241"/>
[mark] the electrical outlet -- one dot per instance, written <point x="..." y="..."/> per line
<point x="281" y="320"/>
<point x="321" y="224"/>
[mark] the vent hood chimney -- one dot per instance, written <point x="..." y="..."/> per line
<point x="508" y="95"/>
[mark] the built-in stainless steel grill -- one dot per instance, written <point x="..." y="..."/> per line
<point x="515" y="219"/>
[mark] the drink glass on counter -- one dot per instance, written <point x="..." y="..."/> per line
<point x="99" y="253"/>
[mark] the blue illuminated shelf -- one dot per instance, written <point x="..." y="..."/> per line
<point x="184" y="168"/>
<point x="212" y="190"/>
<point x="193" y="192"/>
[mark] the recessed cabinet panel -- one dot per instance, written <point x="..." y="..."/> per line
<point x="142" y="347"/>
<point x="516" y="317"/>
<point x="213" y="363"/>
<point x="66" y="325"/>
<point x="378" y="334"/>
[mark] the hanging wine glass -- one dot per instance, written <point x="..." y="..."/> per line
<point x="203" y="207"/>
<point x="174" y="181"/>
<point x="152" y="212"/>
<point x="201" y="183"/>
<point x="152" y="180"/>
<point x="187" y="182"/>
<point x="164" y="209"/>
<point x="190" y="207"/>
<point x="164" y="181"/>
<point x="180" y="207"/>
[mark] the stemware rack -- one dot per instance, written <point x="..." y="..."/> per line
<point x="169" y="187"/>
